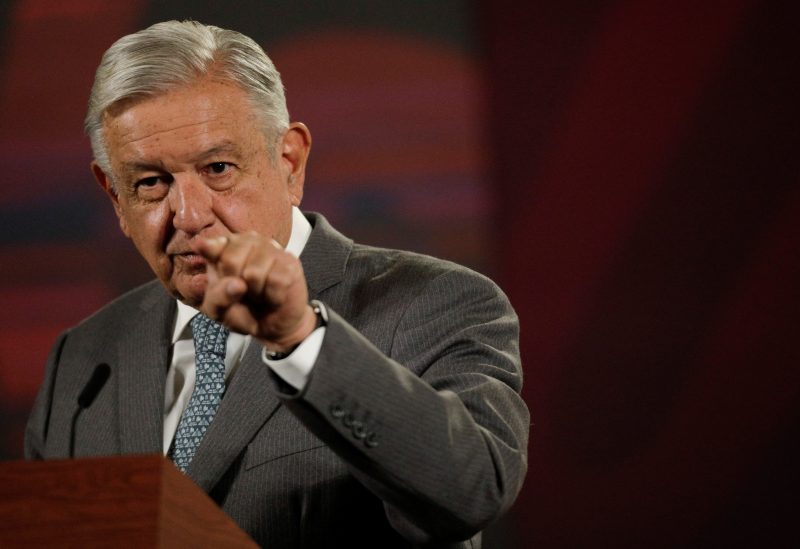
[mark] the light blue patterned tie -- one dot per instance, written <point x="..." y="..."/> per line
<point x="209" y="386"/>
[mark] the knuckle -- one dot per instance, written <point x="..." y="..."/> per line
<point x="252" y="274"/>
<point x="278" y="278"/>
<point x="227" y="268"/>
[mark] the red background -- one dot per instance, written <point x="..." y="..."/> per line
<point x="625" y="170"/>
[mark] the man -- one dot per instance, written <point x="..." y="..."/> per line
<point x="354" y="395"/>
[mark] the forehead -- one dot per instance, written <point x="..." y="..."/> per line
<point x="200" y="114"/>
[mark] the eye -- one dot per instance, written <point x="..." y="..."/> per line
<point x="153" y="180"/>
<point x="147" y="182"/>
<point x="154" y="187"/>
<point x="219" y="168"/>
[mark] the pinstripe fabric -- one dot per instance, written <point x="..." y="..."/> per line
<point x="410" y="432"/>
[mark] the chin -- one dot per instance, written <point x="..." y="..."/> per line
<point x="191" y="301"/>
<point x="191" y="291"/>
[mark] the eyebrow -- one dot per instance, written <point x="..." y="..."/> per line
<point x="224" y="147"/>
<point x="132" y="167"/>
<point x="140" y="166"/>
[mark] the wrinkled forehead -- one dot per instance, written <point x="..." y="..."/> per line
<point x="212" y="82"/>
<point x="198" y="116"/>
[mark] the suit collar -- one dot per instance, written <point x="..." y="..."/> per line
<point x="325" y="255"/>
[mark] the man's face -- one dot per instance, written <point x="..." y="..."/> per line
<point x="192" y="163"/>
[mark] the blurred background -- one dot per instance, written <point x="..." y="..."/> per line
<point x="626" y="170"/>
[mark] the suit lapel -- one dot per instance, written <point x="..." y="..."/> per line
<point x="325" y="256"/>
<point x="248" y="404"/>
<point x="143" y="360"/>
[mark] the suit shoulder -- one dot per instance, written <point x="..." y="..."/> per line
<point x="129" y="304"/>
<point x="407" y="284"/>
<point x="384" y="264"/>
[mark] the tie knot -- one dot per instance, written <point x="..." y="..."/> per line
<point x="209" y="336"/>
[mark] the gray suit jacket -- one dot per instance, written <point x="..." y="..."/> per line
<point x="411" y="430"/>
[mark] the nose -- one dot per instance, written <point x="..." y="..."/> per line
<point x="191" y="203"/>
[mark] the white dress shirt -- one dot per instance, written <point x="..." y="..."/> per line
<point x="294" y="369"/>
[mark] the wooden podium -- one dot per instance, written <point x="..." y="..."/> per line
<point x="127" y="501"/>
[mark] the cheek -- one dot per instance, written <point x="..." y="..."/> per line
<point x="255" y="213"/>
<point x="123" y="224"/>
<point x="148" y="228"/>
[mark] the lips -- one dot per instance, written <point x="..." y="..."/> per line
<point x="189" y="260"/>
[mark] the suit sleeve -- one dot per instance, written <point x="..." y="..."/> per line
<point x="435" y="427"/>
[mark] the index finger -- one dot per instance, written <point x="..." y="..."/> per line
<point x="210" y="248"/>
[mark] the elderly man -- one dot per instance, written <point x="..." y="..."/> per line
<point x="324" y="393"/>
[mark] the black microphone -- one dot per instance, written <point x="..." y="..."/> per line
<point x="93" y="387"/>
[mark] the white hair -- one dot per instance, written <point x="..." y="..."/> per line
<point x="175" y="53"/>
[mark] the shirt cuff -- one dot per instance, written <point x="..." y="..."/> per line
<point x="296" y="368"/>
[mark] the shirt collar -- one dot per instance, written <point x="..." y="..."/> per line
<point x="301" y="231"/>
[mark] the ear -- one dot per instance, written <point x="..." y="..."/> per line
<point x="105" y="182"/>
<point x="295" y="147"/>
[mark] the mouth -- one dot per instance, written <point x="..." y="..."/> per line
<point x="189" y="261"/>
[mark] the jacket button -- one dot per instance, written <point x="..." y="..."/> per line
<point x="348" y="420"/>
<point x="337" y="411"/>
<point x="371" y="441"/>
<point x="358" y="430"/>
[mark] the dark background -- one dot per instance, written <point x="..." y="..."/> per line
<point x="627" y="171"/>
